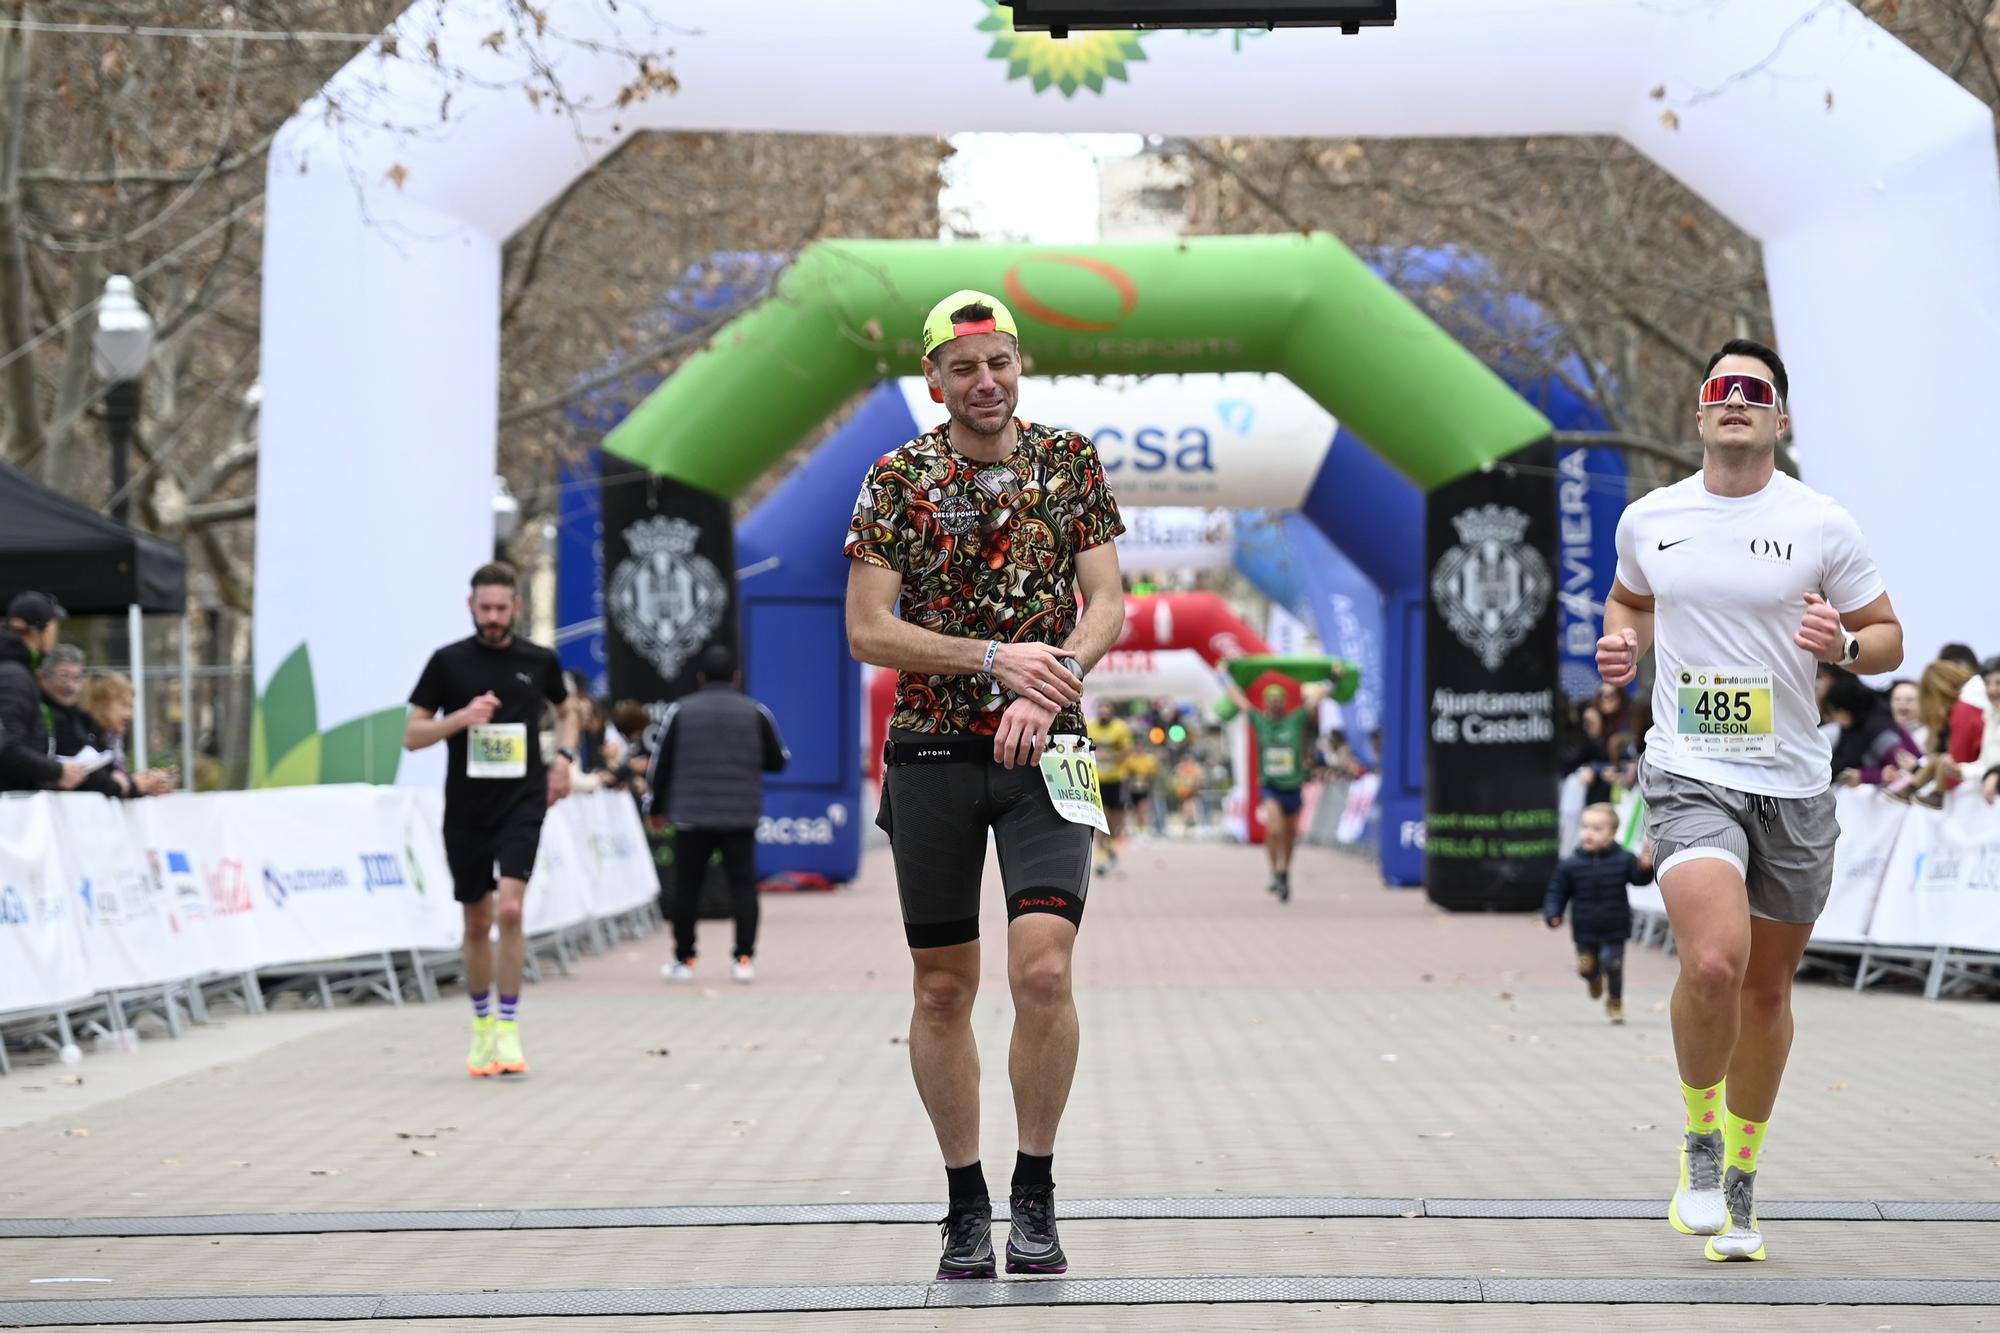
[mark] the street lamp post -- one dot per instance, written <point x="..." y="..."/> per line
<point x="506" y="517"/>
<point x="122" y="345"/>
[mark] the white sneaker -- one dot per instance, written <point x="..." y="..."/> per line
<point x="1698" y="1208"/>
<point x="744" y="971"/>
<point x="677" y="971"/>
<point x="1742" y="1240"/>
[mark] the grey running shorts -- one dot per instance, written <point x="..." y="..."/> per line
<point x="1781" y="845"/>
<point x="937" y="817"/>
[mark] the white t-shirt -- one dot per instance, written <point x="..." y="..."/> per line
<point x="1729" y="578"/>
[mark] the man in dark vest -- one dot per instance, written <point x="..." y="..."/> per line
<point x="707" y="780"/>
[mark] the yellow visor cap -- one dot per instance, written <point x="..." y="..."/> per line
<point x="939" y="329"/>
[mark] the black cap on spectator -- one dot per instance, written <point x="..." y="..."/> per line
<point x="35" y="609"/>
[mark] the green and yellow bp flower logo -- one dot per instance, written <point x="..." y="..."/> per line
<point x="1081" y="60"/>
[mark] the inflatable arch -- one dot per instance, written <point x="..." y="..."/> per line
<point x="384" y="228"/>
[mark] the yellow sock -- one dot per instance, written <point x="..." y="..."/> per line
<point x="1742" y="1141"/>
<point x="1704" y="1108"/>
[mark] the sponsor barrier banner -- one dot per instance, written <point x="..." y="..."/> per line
<point x="130" y="933"/>
<point x="41" y="942"/>
<point x="1942" y="882"/>
<point x="100" y="895"/>
<point x="1870" y="824"/>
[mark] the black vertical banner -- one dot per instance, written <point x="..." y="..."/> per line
<point x="669" y="581"/>
<point x="1490" y="834"/>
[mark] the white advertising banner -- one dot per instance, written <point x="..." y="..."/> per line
<point x="203" y="877"/>
<point x="1233" y="441"/>
<point x="130" y="934"/>
<point x="41" y="943"/>
<point x="1942" y="885"/>
<point x="1176" y="537"/>
<point x="1870" y="824"/>
<point x="1179" y="674"/>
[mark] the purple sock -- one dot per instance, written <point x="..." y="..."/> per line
<point x="510" y="1008"/>
<point x="482" y="1004"/>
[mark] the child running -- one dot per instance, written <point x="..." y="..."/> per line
<point x="1589" y="885"/>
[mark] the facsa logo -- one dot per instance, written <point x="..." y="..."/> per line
<point x="1152" y="450"/>
<point x="786" y="831"/>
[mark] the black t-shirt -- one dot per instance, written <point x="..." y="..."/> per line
<point x="527" y="677"/>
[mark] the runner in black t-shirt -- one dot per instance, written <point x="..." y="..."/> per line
<point x="485" y="698"/>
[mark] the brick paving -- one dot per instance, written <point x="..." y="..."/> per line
<point x="1355" y="1042"/>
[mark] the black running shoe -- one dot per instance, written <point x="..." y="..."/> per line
<point x="1285" y="887"/>
<point x="1032" y="1246"/>
<point x="968" y="1241"/>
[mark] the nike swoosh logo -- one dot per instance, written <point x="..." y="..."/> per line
<point x="1668" y="546"/>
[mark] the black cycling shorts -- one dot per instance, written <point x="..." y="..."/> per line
<point x="1113" y="791"/>
<point x="480" y="855"/>
<point x="937" y="817"/>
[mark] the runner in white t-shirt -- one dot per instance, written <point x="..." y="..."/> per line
<point x="1740" y="578"/>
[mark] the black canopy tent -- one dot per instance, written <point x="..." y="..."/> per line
<point x="94" y="566"/>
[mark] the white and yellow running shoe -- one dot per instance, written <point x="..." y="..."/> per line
<point x="1742" y="1240"/>
<point x="479" y="1062"/>
<point x="1699" y="1208"/>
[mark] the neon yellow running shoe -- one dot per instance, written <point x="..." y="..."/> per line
<point x="507" y="1057"/>
<point x="1742" y="1240"/>
<point x="479" y="1063"/>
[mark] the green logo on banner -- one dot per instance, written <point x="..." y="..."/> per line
<point x="1081" y="60"/>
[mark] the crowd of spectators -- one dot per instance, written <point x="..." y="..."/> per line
<point x="63" y="728"/>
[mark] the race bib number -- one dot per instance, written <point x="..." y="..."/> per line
<point x="1069" y="771"/>
<point x="497" y="750"/>
<point x="1725" y="713"/>
<point x="1280" y="763"/>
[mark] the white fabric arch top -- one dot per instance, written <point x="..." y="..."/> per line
<point x="1879" y="211"/>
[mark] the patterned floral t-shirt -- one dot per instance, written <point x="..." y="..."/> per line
<point x="986" y="551"/>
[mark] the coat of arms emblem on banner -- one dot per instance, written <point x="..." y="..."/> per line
<point x="1492" y="587"/>
<point x="666" y="598"/>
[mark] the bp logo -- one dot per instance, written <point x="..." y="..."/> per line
<point x="666" y="598"/>
<point x="1081" y="60"/>
<point x="1492" y="587"/>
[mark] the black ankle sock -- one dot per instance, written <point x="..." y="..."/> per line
<point x="1033" y="1173"/>
<point x="965" y="1183"/>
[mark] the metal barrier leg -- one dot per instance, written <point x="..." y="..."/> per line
<point x="197" y="1002"/>
<point x="1934" y="983"/>
<point x="395" y="982"/>
<point x="1861" y="977"/>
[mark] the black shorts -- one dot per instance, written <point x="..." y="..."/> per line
<point x="1288" y="799"/>
<point x="482" y="854"/>
<point x="937" y="817"/>
<point x="1113" y="790"/>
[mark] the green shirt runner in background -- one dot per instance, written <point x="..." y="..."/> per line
<point x="1283" y="746"/>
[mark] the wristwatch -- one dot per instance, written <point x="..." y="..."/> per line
<point x="566" y="753"/>
<point x="1853" y="652"/>
<point x="1074" y="667"/>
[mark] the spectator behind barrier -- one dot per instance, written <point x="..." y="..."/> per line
<point x="1957" y="732"/>
<point x="1870" y="747"/>
<point x="99" y="715"/>
<point x="1903" y="708"/>
<point x="1986" y="769"/>
<point x="27" y="762"/>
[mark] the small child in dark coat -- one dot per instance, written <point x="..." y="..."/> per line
<point x="1589" y="885"/>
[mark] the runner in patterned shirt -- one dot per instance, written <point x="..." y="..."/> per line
<point x="985" y="530"/>
<point x="1749" y="579"/>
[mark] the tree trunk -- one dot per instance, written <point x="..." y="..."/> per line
<point x="24" y="437"/>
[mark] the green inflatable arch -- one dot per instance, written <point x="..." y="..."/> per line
<point x="847" y="314"/>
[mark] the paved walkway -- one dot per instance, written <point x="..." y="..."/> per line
<point x="1356" y="1044"/>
